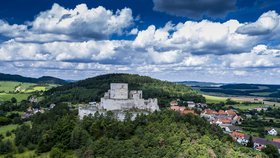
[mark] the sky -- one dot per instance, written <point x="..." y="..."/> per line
<point x="232" y="41"/>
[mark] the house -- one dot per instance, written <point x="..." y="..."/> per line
<point x="208" y="113"/>
<point x="232" y="128"/>
<point x="178" y="108"/>
<point x="182" y="109"/>
<point x="222" y="112"/>
<point x="260" y="143"/>
<point x="240" y="137"/>
<point x="201" y="105"/>
<point x="276" y="140"/>
<point x="231" y="113"/>
<point x="260" y="109"/>
<point x="174" y="103"/>
<point x="220" y="122"/>
<point x="272" y="132"/>
<point x="191" y="104"/>
<point x="236" y="119"/>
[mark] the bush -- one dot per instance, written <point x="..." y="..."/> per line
<point x="56" y="153"/>
<point x="5" y="147"/>
<point x="20" y="149"/>
<point x="8" y="133"/>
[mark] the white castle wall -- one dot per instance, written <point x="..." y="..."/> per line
<point x="119" y="91"/>
<point x="117" y="99"/>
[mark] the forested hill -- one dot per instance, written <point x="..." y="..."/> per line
<point x="44" y="79"/>
<point x="92" y="89"/>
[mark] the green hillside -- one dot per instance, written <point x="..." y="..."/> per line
<point x="18" y="78"/>
<point x="93" y="89"/>
<point x="161" y="134"/>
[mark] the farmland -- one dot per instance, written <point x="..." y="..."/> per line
<point x="21" y="90"/>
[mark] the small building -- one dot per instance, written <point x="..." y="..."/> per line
<point x="178" y="108"/>
<point x="191" y="104"/>
<point x="260" y="143"/>
<point x="240" y="137"/>
<point x="276" y="140"/>
<point x="174" y="103"/>
<point x="201" y="105"/>
<point x="232" y="128"/>
<point x="272" y="132"/>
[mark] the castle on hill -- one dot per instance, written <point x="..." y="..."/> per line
<point x="119" y="99"/>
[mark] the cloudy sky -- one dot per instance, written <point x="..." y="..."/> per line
<point x="176" y="40"/>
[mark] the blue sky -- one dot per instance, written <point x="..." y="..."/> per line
<point x="202" y="40"/>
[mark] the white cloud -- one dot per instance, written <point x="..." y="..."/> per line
<point x="240" y="73"/>
<point x="203" y="48"/>
<point x="164" y="57"/>
<point x="266" y="24"/>
<point x="78" y="24"/>
<point x="259" y="56"/>
<point x="97" y="23"/>
<point x="195" y="60"/>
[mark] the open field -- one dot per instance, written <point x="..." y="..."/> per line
<point x="20" y="90"/>
<point x="4" y="129"/>
<point x="18" y="96"/>
<point x="8" y="86"/>
<point x="29" y="154"/>
<point x="247" y="107"/>
<point x="214" y="99"/>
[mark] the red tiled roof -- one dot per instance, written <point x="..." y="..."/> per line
<point x="209" y="111"/>
<point x="222" y="112"/>
<point x="276" y="140"/>
<point x="230" y="112"/>
<point x="178" y="108"/>
<point x="225" y="121"/>
<point x="237" y="134"/>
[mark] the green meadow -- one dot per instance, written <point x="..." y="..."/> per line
<point x="214" y="99"/>
<point x="19" y="90"/>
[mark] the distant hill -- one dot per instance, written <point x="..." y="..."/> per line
<point x="200" y="84"/>
<point x="44" y="79"/>
<point x="236" y="89"/>
<point x="92" y="89"/>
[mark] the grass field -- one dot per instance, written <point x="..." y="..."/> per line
<point x="8" y="86"/>
<point x="20" y="90"/>
<point x="18" y="96"/>
<point x="247" y="107"/>
<point x="29" y="154"/>
<point x="4" y="129"/>
<point x="214" y="99"/>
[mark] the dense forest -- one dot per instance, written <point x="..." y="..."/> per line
<point x="160" y="134"/>
<point x="93" y="89"/>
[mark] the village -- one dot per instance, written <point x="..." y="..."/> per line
<point x="229" y="121"/>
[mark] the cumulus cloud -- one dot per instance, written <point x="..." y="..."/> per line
<point x="164" y="57"/>
<point x="97" y="23"/>
<point x="259" y="57"/>
<point x="267" y="23"/>
<point x="78" y="24"/>
<point x="195" y="49"/>
<point x="195" y="8"/>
